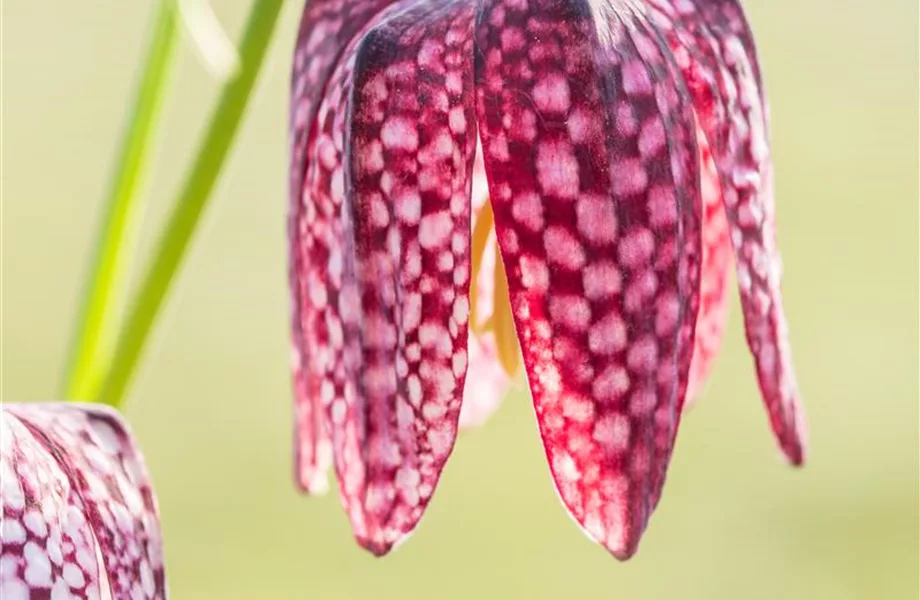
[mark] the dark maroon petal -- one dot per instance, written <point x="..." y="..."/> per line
<point x="714" y="47"/>
<point x="76" y="491"/>
<point x="592" y="161"/>
<point x="326" y="28"/>
<point x="386" y="236"/>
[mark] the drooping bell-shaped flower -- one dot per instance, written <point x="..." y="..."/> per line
<point x="79" y="517"/>
<point x="624" y="144"/>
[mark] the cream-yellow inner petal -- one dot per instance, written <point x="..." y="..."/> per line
<point x="481" y="231"/>
<point x="501" y="321"/>
<point x="506" y="341"/>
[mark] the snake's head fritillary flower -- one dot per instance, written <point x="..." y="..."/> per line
<point x="624" y="145"/>
<point x="79" y="518"/>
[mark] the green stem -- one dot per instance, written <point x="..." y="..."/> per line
<point x="191" y="202"/>
<point x="93" y="339"/>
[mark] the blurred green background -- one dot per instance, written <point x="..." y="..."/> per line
<point x="212" y="404"/>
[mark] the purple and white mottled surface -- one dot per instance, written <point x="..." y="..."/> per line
<point x="79" y="518"/>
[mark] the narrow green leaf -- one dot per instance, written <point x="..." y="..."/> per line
<point x="94" y="336"/>
<point x="190" y="202"/>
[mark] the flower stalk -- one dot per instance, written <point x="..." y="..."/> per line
<point x="94" y="337"/>
<point x="190" y="203"/>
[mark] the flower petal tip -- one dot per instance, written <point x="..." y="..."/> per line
<point x="378" y="548"/>
<point x="624" y="553"/>
<point x="795" y="449"/>
<point x="381" y="547"/>
<point x="621" y="543"/>
<point x="797" y="458"/>
<point x="316" y="485"/>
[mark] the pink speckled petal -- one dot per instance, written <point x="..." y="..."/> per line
<point x="714" y="47"/>
<point x="710" y="324"/>
<point x="79" y="515"/>
<point x="483" y="273"/>
<point x="42" y="512"/>
<point x="589" y="144"/>
<point x="326" y="28"/>
<point x="486" y="382"/>
<point x="386" y="238"/>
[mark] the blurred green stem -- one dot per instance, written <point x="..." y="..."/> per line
<point x="101" y="305"/>
<point x="190" y="203"/>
